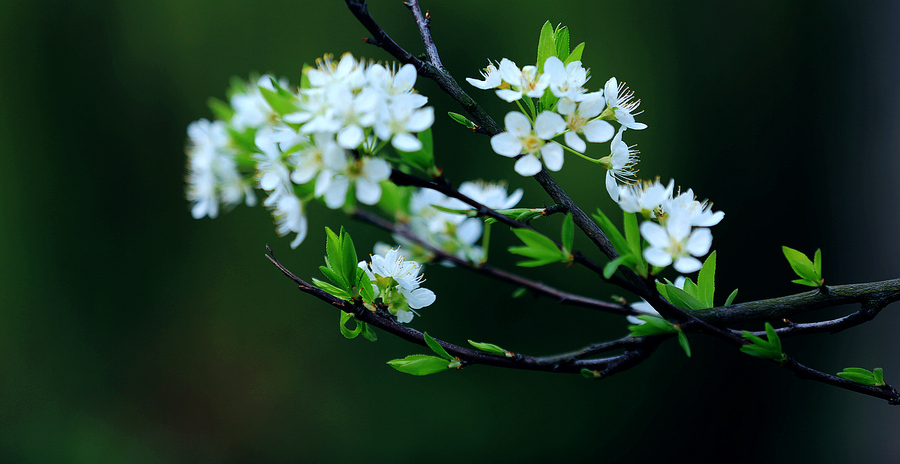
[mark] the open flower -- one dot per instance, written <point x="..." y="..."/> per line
<point x="491" y="76"/>
<point x="644" y="197"/>
<point x="520" y="138"/>
<point x="620" y="102"/>
<point x="699" y="214"/>
<point x="396" y="281"/>
<point x="522" y="82"/>
<point x="676" y="243"/>
<point x="619" y="164"/>
<point x="580" y="118"/>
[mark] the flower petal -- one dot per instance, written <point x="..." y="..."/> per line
<point x="552" y="153"/>
<point x="528" y="165"/>
<point x="598" y="131"/>
<point x="548" y="125"/>
<point x="574" y="142"/>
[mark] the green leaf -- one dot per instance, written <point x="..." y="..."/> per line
<point x="280" y="103"/>
<point x="530" y="105"/>
<point x="683" y="341"/>
<point x="349" y="263"/>
<point x="540" y="248"/>
<point x="420" y="364"/>
<point x="437" y="348"/>
<point x="706" y="281"/>
<point x="632" y="233"/>
<point x="368" y="332"/>
<point x="766" y="349"/>
<point x="683" y="299"/>
<point x="817" y="262"/>
<point x="568" y="233"/>
<point x="652" y="326"/>
<point x="461" y="119"/>
<point x="491" y="348"/>
<point x="333" y="258"/>
<point x="546" y="46"/>
<point x="220" y="109"/>
<point x="335" y="278"/>
<point x="464" y="212"/>
<point x="360" y="326"/>
<point x="365" y="286"/>
<point x="589" y="374"/>
<point x="691" y="288"/>
<point x="337" y="292"/>
<point x="808" y="283"/>
<point x="618" y="241"/>
<point x="662" y="289"/>
<point x="864" y="376"/>
<point x="517" y="293"/>
<point x="575" y="55"/>
<point x="561" y="37"/>
<point x="610" y="268"/>
<point x="731" y="298"/>
<point x="801" y="264"/>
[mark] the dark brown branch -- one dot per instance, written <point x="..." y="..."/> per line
<point x="468" y="356"/>
<point x="773" y="309"/>
<point x="886" y="392"/>
<point x="423" y="21"/>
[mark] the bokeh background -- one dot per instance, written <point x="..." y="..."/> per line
<point x="130" y="332"/>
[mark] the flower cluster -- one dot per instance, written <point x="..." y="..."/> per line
<point x="564" y="107"/>
<point x="396" y="281"/>
<point x="324" y="141"/>
<point x="677" y="225"/>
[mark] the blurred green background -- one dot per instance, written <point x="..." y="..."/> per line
<point x="130" y="332"/>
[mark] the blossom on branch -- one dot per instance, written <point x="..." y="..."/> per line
<point x="396" y="281"/>
<point x="521" y="138"/>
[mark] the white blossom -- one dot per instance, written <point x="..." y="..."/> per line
<point x="491" y="78"/>
<point x="520" y="138"/>
<point x="698" y="214"/>
<point x="675" y="243"/>
<point x="620" y="101"/>
<point x="525" y="82"/>
<point x="580" y="117"/>
<point x="644" y="197"/>
<point x="619" y="164"/>
<point x="390" y="274"/>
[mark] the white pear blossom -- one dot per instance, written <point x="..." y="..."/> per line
<point x="644" y="197"/>
<point x="580" y="117"/>
<point x="391" y="274"/>
<point x="525" y="82"/>
<point x="520" y="138"/>
<point x="699" y="214"/>
<point x="398" y="120"/>
<point x="288" y="212"/>
<point x="491" y="76"/>
<point x="272" y="173"/>
<point x="393" y="84"/>
<point x="365" y="172"/>
<point x="566" y="81"/>
<point x="492" y="195"/>
<point x="213" y="177"/>
<point x="250" y="108"/>
<point x="676" y="243"/>
<point x="620" y="101"/>
<point x="619" y="164"/>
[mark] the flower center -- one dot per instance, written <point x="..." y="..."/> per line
<point x="532" y="143"/>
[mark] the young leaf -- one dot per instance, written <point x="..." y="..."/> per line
<point x="731" y="298"/>
<point x="803" y="267"/>
<point x="561" y="37"/>
<point x="575" y="55"/>
<point x="519" y="292"/>
<point x="568" y="233"/>
<point x="335" y="278"/>
<point x="652" y="326"/>
<point x="706" y="281"/>
<point x="368" y="332"/>
<point x="610" y="268"/>
<point x="618" y="241"/>
<point x="766" y="349"/>
<point x="860" y="375"/>
<point x="632" y="233"/>
<point x="691" y="288"/>
<point x="349" y="261"/>
<point x="683" y="299"/>
<point x="541" y="249"/>
<point x="817" y="262"/>
<point x="589" y="374"/>
<point x="683" y="341"/>
<point x="461" y="119"/>
<point x="437" y="348"/>
<point x="337" y="292"/>
<point x="360" y="326"/>
<point x="879" y="376"/>
<point x="491" y="348"/>
<point x="420" y="364"/>
<point x="546" y="46"/>
<point x="365" y="286"/>
<point x="333" y="257"/>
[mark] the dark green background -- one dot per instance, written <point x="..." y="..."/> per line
<point x="130" y="332"/>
